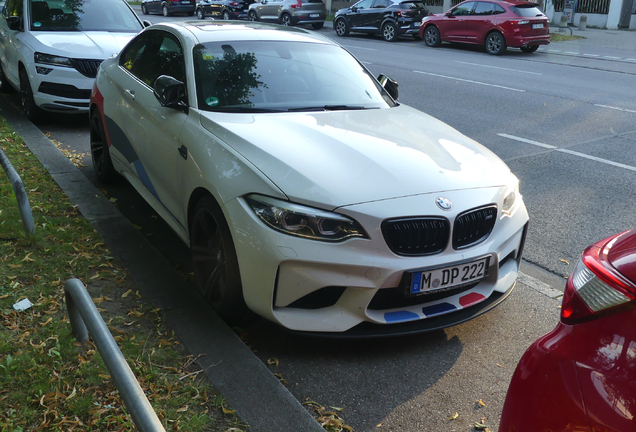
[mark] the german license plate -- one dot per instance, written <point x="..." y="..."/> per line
<point x="449" y="277"/>
<point x="537" y="26"/>
<point x="314" y="15"/>
<point x="185" y="1"/>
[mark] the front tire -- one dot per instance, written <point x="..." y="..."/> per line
<point x="215" y="263"/>
<point x="528" y="49"/>
<point x="100" y="154"/>
<point x="432" y="38"/>
<point x="286" y="20"/>
<point x="144" y="9"/>
<point x="164" y="11"/>
<point x="495" y="43"/>
<point x="200" y="14"/>
<point x="252" y="16"/>
<point x="29" y="108"/>
<point x="342" y="28"/>
<point x="390" y="32"/>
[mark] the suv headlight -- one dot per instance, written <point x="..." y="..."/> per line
<point x="301" y="221"/>
<point x="511" y="197"/>
<point x="52" y="60"/>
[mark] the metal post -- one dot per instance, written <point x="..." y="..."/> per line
<point x="20" y="194"/>
<point x="84" y="316"/>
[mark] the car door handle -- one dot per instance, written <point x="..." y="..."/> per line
<point x="130" y="94"/>
<point x="183" y="151"/>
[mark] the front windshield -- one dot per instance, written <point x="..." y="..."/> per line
<point x="82" y="15"/>
<point x="261" y="76"/>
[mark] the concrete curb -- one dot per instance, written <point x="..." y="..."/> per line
<point x="258" y="397"/>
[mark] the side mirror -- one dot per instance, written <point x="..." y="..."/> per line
<point x="390" y="85"/>
<point x="354" y="9"/>
<point x="170" y="93"/>
<point x="146" y="23"/>
<point x="15" y="23"/>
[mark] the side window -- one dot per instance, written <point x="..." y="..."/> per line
<point x="131" y="55"/>
<point x="484" y="8"/>
<point x="463" y="9"/>
<point x="364" y="4"/>
<point x="13" y="8"/>
<point x="163" y="56"/>
<point x="498" y="9"/>
<point x="381" y="4"/>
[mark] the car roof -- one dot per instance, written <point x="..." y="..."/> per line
<point x="510" y="2"/>
<point x="218" y="31"/>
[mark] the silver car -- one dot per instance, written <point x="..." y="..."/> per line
<point x="289" y="12"/>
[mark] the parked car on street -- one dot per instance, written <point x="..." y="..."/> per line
<point x="223" y="9"/>
<point x="390" y="18"/>
<point x="168" y="7"/>
<point x="289" y="12"/>
<point x="304" y="190"/>
<point x="51" y="49"/>
<point x="496" y="25"/>
<point x="581" y="376"/>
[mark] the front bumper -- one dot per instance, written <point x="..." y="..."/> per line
<point x="313" y="286"/>
<point x="63" y="89"/>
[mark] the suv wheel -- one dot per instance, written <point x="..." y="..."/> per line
<point x="252" y="16"/>
<point x="200" y="14"/>
<point x="165" y="11"/>
<point x="286" y="20"/>
<point x="390" y="32"/>
<point x="29" y="108"/>
<point x="495" y="43"/>
<point x="225" y="16"/>
<point x="144" y="9"/>
<point x="342" y="29"/>
<point x="432" y="37"/>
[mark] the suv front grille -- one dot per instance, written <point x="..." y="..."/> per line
<point x="416" y="236"/>
<point x="473" y="226"/>
<point x="88" y="68"/>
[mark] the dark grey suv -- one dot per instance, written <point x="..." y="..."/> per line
<point x="290" y="12"/>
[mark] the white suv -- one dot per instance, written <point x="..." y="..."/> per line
<point x="50" y="49"/>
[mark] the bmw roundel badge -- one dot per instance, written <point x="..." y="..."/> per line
<point x="443" y="203"/>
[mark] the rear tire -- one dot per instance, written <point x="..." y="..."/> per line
<point x="29" y="108"/>
<point x="286" y="20"/>
<point x="215" y="263"/>
<point x="495" y="43"/>
<point x="390" y="32"/>
<point x="164" y="11"/>
<point x="191" y="13"/>
<point x="432" y="37"/>
<point x="100" y="153"/>
<point x="529" y="48"/>
<point x="318" y="26"/>
<point x="200" y="14"/>
<point x="144" y="9"/>
<point x="342" y="28"/>
<point x="225" y="16"/>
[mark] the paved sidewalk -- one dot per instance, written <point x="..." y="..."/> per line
<point x="599" y="38"/>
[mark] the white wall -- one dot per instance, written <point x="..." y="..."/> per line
<point x="596" y="20"/>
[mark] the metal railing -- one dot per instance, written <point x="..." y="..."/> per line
<point x="20" y="194"/>
<point x="85" y="319"/>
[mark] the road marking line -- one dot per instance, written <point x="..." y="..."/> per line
<point x="538" y="285"/>
<point x="570" y="53"/>
<point x="630" y="60"/>
<point x="497" y="67"/>
<point x="469" y="81"/>
<point x="571" y="152"/>
<point x="554" y="51"/>
<point x="591" y="55"/>
<point x="611" y="58"/>
<point x="356" y="47"/>
<point x="615" y="108"/>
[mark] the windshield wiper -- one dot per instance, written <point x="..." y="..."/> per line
<point x="235" y="109"/>
<point x="331" y="108"/>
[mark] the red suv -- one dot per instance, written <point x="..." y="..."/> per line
<point x="494" y="24"/>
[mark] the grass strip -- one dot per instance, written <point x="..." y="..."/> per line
<point x="47" y="380"/>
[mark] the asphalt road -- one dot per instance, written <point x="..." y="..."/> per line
<point x="564" y="124"/>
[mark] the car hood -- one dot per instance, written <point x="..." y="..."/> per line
<point x="89" y="44"/>
<point x="338" y="158"/>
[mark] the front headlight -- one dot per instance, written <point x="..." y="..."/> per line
<point x="301" y="221"/>
<point x="511" y="197"/>
<point x="52" y="60"/>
